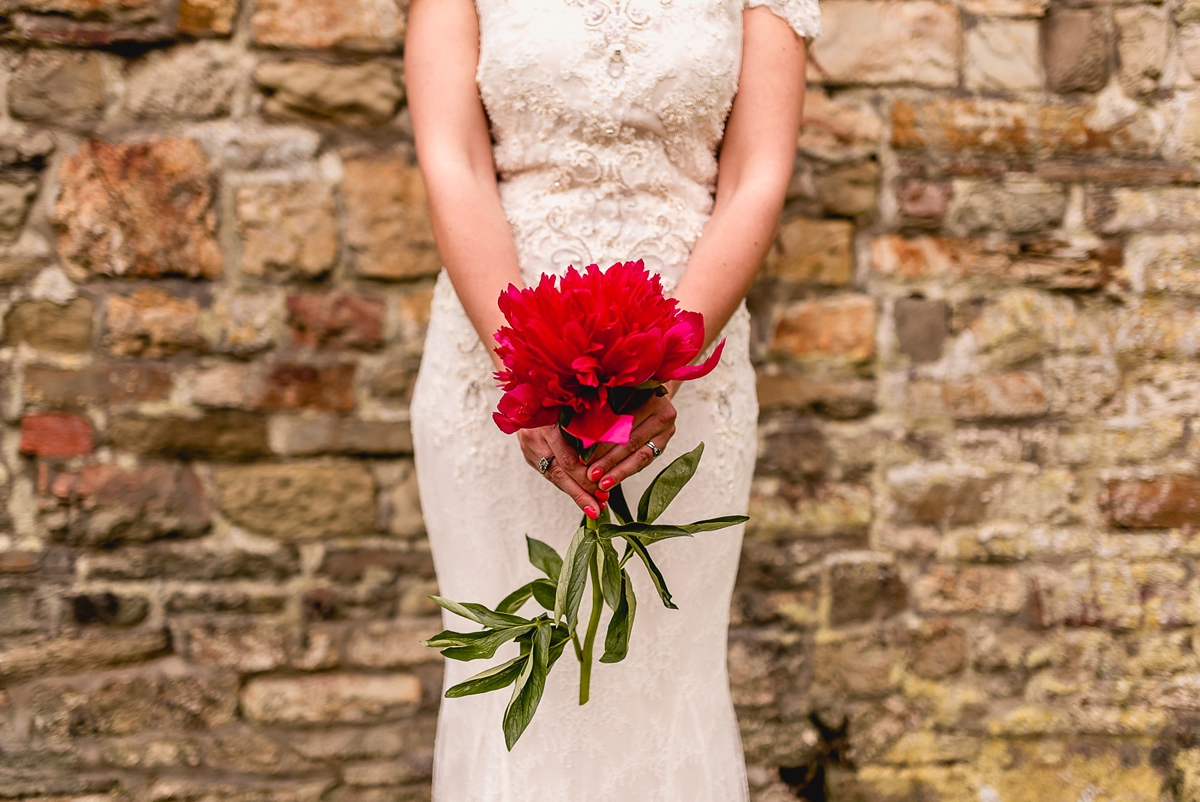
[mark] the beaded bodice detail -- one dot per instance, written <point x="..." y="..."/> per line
<point x="607" y="115"/>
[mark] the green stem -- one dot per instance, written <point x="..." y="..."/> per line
<point x="585" y="667"/>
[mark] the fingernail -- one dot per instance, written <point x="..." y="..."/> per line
<point x="595" y="473"/>
<point x="607" y="482"/>
<point x="601" y="495"/>
<point x="591" y="513"/>
<point x="603" y="506"/>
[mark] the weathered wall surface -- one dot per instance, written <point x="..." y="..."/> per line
<point x="973" y="554"/>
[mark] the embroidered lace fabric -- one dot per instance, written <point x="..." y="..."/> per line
<point x="606" y="116"/>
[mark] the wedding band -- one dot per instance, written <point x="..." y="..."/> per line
<point x="657" y="451"/>
<point x="544" y="464"/>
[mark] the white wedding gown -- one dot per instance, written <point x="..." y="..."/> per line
<point x="606" y="116"/>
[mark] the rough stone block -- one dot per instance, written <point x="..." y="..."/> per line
<point x="19" y="612"/>
<point x="55" y="434"/>
<point x="200" y="561"/>
<point x="330" y="698"/>
<point x="989" y="590"/>
<point x="921" y="327"/>
<point x="940" y="494"/>
<point x="48" y="326"/>
<point x="1136" y="211"/>
<point x="204" y="17"/>
<point x="1017" y="206"/>
<point x="244" y="645"/>
<point x="15" y="199"/>
<point x="1167" y="502"/>
<point x="151" y="323"/>
<point x="1076" y="49"/>
<point x="391" y="644"/>
<point x="299" y="501"/>
<point x="138" y="210"/>
<point x="96" y="384"/>
<point x="310" y="435"/>
<point x="58" y="87"/>
<point x="994" y="396"/>
<point x="292" y="386"/>
<point x="72" y="655"/>
<point x="288" y="230"/>
<point x="364" y="25"/>
<point x="195" y="83"/>
<point x="403" y="503"/>
<point x="1142" y="47"/>
<point x="817" y="251"/>
<point x="243" y="323"/>
<point x="387" y="221"/>
<point x="865" y="42"/>
<point x="849" y="190"/>
<point x="1155" y="329"/>
<point x="839" y="129"/>
<point x="924" y="202"/>
<point x="358" y="95"/>
<point x="858" y="669"/>
<point x="1189" y="47"/>
<point x="1003" y="55"/>
<point x="108" y="609"/>
<point x="336" y="320"/>
<point x="836" y="397"/>
<point x="1118" y="595"/>
<point x="841" y="327"/>
<point x="223" y="434"/>
<point x="863" y="590"/>
<point x="106" y="504"/>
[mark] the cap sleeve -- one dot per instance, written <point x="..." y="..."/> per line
<point x="803" y="15"/>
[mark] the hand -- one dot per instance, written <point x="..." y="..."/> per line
<point x="567" y="472"/>
<point x="655" y="422"/>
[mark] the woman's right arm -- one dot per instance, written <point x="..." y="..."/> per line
<point x="454" y="150"/>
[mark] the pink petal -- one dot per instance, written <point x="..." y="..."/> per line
<point x="687" y="373"/>
<point x="599" y="424"/>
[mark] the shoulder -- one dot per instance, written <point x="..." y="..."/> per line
<point x="804" y="16"/>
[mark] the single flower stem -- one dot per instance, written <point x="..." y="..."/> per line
<point x="585" y="667"/>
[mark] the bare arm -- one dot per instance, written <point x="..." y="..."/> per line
<point x="455" y="153"/>
<point x="757" y="159"/>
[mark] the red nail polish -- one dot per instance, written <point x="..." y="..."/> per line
<point x="595" y="473"/>
<point x="591" y="513"/>
<point x="607" y="482"/>
<point x="603" y="506"/>
<point x="601" y="496"/>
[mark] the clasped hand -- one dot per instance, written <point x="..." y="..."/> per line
<point x="589" y="484"/>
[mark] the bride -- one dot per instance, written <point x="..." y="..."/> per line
<point x="569" y="132"/>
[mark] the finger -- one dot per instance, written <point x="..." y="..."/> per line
<point x="638" y="460"/>
<point x="566" y="457"/>
<point x="655" y="424"/>
<point x="584" y="500"/>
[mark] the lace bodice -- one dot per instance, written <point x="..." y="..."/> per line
<point x="607" y="115"/>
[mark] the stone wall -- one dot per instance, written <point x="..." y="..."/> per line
<point x="971" y="573"/>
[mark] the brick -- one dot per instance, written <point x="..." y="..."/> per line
<point x="839" y="129"/>
<point x="227" y="384"/>
<point x="1079" y="386"/>
<point x="917" y="258"/>
<point x="387" y="221"/>
<point x="169" y="697"/>
<point x="174" y="789"/>
<point x="1076" y="47"/>
<point x="1020" y="206"/>
<point x="138" y="210"/>
<point x="299" y="501"/>
<point x="293" y="386"/>
<point x="336" y="320"/>
<point x="859" y="669"/>
<point x="199" y="561"/>
<point x="104" y="505"/>
<point x="54" y="434"/>
<point x="358" y="95"/>
<point x="330" y="698"/>
<point x="1117" y="595"/>
<point x="987" y="590"/>
<point x="395" y="381"/>
<point x="311" y="435"/>
<point x="288" y="230"/>
<point x="108" y="609"/>
<point x="204" y="17"/>
<point x="163" y="85"/>
<point x="878" y="43"/>
<point x="940" y="494"/>
<point x="73" y="655"/>
<point x="1164" y="263"/>
<point x="996" y="396"/>
<point x="222" y="434"/>
<point x="59" y="87"/>
<point x="817" y="251"/>
<point x="921" y="327"/>
<point x="838" y="398"/>
<point x="840" y="327"/>
<point x="1003" y="55"/>
<point x="863" y="590"/>
<point x="242" y="323"/>
<point x="403" y="503"/>
<point x="1189" y="48"/>
<point x="1142" y="46"/>
<point x="353" y="565"/>
<point x="941" y="654"/>
<point x="244" y="645"/>
<point x="924" y="202"/>
<point x="96" y="384"/>
<point x="19" y="612"/>
<point x="848" y="191"/>
<point x="151" y="323"/>
<point x="1158" y="209"/>
<point x="1155" y="328"/>
<point x="1015" y="129"/>
<point x="364" y="25"/>
<point x="794" y="451"/>
<point x="391" y="644"/>
<point x="1163" y="503"/>
<point x="15" y="201"/>
<point x="363" y="743"/>
<point x="47" y="326"/>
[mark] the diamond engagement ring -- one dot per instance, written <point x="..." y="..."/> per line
<point x="544" y="464"/>
<point x="657" y="451"/>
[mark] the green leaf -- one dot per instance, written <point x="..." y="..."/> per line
<point x="610" y="574"/>
<point x="579" y="576"/>
<point x="647" y="533"/>
<point x="619" y="506"/>
<point x="544" y="592"/>
<point x="493" y="679"/>
<point x="480" y="614"/>
<point x="544" y="558"/>
<point x="713" y="524"/>
<point x="485" y="647"/>
<point x="449" y="638"/>
<point x="563" y="580"/>
<point x="530" y="685"/>
<point x="666" y="486"/>
<point x="515" y="600"/>
<point x="656" y="576"/>
<point x="616" y="641"/>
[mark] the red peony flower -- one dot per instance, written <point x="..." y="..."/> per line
<point x="586" y="350"/>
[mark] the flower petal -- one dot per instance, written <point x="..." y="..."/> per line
<point x="599" y="424"/>
<point x="689" y="372"/>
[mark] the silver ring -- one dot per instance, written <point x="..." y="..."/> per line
<point x="657" y="451"/>
<point x="544" y="464"/>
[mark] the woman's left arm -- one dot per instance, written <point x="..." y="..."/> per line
<point x="757" y="159"/>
